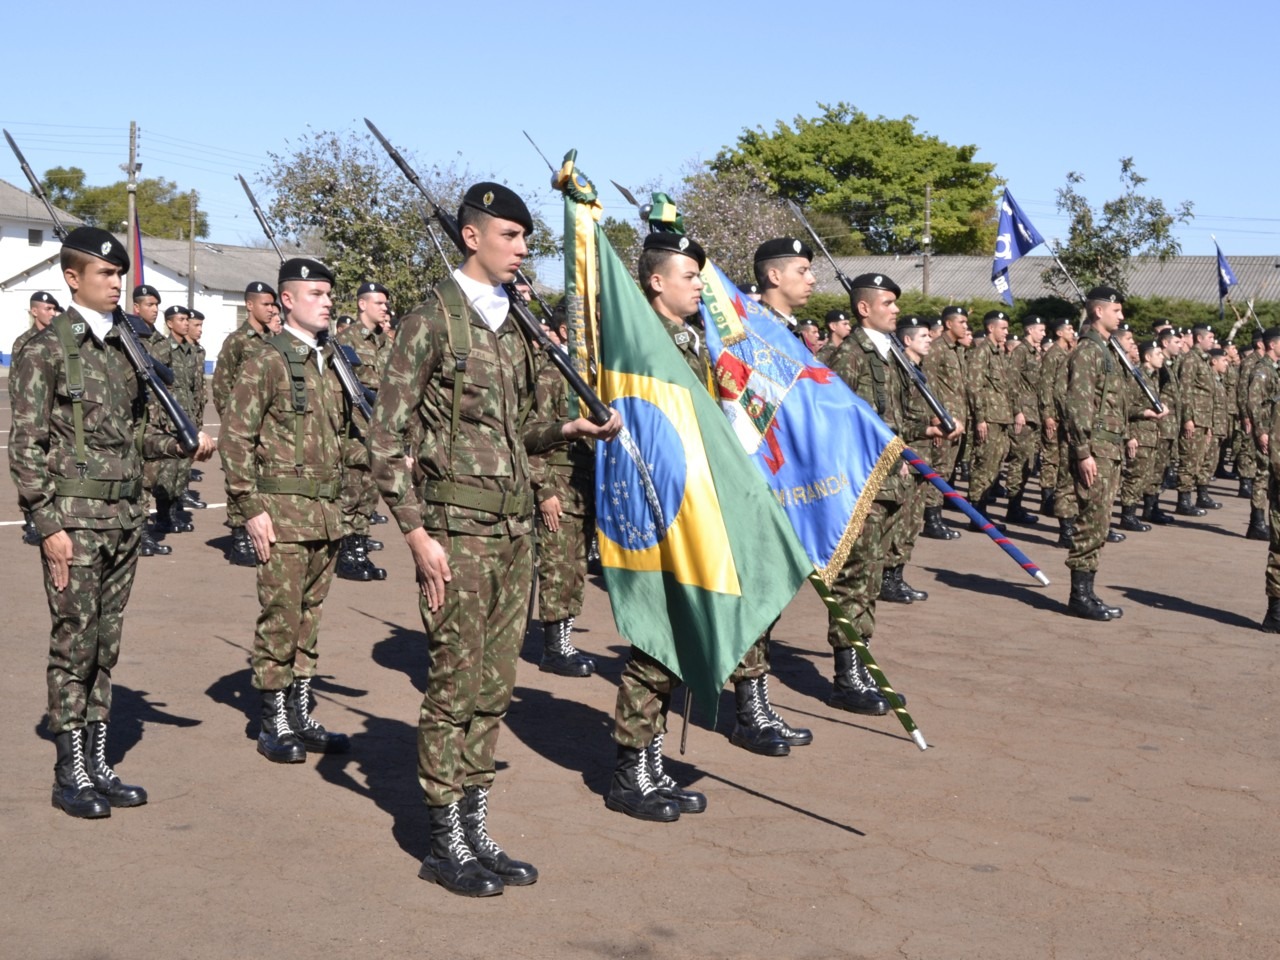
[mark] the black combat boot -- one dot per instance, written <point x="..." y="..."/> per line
<point x="242" y="553"/>
<point x="377" y="517"/>
<point x="633" y="793"/>
<point x="1258" y="529"/>
<point x="1082" y="603"/>
<point x="962" y="471"/>
<point x="314" y="737"/>
<point x="179" y="520"/>
<point x="475" y="828"/>
<point x="354" y="563"/>
<point x="1271" y="622"/>
<point x="150" y="547"/>
<point x="1114" y="535"/>
<point x="689" y="801"/>
<point x="1186" y="508"/>
<point x="1047" y="498"/>
<point x="891" y="591"/>
<point x="192" y="499"/>
<point x="907" y="589"/>
<point x="1246" y="488"/>
<point x="982" y="506"/>
<point x="1066" y="532"/>
<point x="104" y="778"/>
<point x="370" y="545"/>
<point x="934" y="528"/>
<point x="1017" y="514"/>
<point x="1113" y="613"/>
<point x="163" y="523"/>
<point x="73" y="790"/>
<point x="277" y="741"/>
<point x="559" y="655"/>
<point x="1204" y="500"/>
<point x="30" y="535"/>
<point x="1151" y="510"/>
<point x="794" y="736"/>
<point x="451" y="862"/>
<point x="196" y="475"/>
<point x="753" y="730"/>
<point x="853" y="689"/>
<point x="1129" y="519"/>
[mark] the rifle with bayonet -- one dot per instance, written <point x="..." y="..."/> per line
<point x="896" y="349"/>
<point x="155" y="376"/>
<point x="341" y="359"/>
<point x="527" y="322"/>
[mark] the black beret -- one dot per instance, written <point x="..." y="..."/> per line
<point x="344" y="321"/>
<point x="954" y="310"/>
<point x="259" y="287"/>
<point x="1201" y="328"/>
<point x="1057" y="323"/>
<point x="933" y="322"/>
<point x="499" y="201"/>
<point x="676" y="243"/>
<point x="1032" y="322"/>
<point x="876" y="281"/>
<point x="750" y="288"/>
<point x="303" y="268"/>
<point x="782" y="247"/>
<point x="197" y="315"/>
<point x="1124" y="328"/>
<point x="806" y="323"/>
<point x="176" y="309"/>
<point x="994" y="315"/>
<point x="911" y="322"/>
<point x="1217" y="352"/>
<point x="98" y="243"/>
<point x="1109" y="294"/>
<point x="370" y="287"/>
<point x="41" y="297"/>
<point x="1271" y="333"/>
<point x="835" y="316"/>
<point x="145" y="290"/>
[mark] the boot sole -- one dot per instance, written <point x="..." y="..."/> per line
<point x="282" y="758"/>
<point x="620" y="807"/>
<point x="82" y="816"/>
<point x="570" y="672"/>
<point x="425" y="873"/>
<point x="877" y="711"/>
<point x="780" y="749"/>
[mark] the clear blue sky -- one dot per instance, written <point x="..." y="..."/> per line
<point x="641" y="90"/>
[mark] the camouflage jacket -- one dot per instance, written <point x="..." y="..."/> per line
<point x="944" y="367"/>
<point x="693" y="349"/>
<point x="488" y="455"/>
<point x="258" y="443"/>
<point x="1141" y="427"/>
<point x="990" y="383"/>
<point x="916" y="413"/>
<point x="239" y="344"/>
<point x="1231" y="382"/>
<point x="1024" y="368"/>
<point x="188" y="382"/>
<point x="883" y="385"/>
<point x="117" y="432"/>
<point x="568" y="472"/>
<point x="1261" y="393"/>
<point x="1195" y="380"/>
<point x="1247" y="364"/>
<point x="1053" y="382"/>
<point x="1221" y="421"/>
<point x="1096" y="407"/>
<point x="372" y="347"/>
<point x="200" y="388"/>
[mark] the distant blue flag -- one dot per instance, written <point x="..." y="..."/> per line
<point x="1226" y="279"/>
<point x="1016" y="237"/>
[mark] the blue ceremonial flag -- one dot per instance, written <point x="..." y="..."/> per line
<point x="1226" y="279"/>
<point x="821" y="448"/>
<point x="1015" y="238"/>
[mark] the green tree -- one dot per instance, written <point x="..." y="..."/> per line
<point x="624" y="238"/>
<point x="870" y="176"/>
<point x="1101" y="242"/>
<point x="164" y="210"/>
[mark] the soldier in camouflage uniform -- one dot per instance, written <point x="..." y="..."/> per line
<point x="79" y="432"/>
<point x="43" y="306"/>
<point x="1024" y="444"/>
<point x="1197" y="447"/>
<point x="146" y="305"/>
<point x="367" y="338"/>
<point x="1139" y="475"/>
<point x="1053" y="359"/>
<point x="1065" y="507"/>
<point x="1269" y="428"/>
<point x="459" y="382"/>
<point x="199" y="397"/>
<point x="1094" y="419"/>
<point x="1246" y="452"/>
<point x="166" y="475"/>
<point x="287" y="433"/>
<point x="1261" y="394"/>
<point x="839" y="326"/>
<point x="995" y="419"/>
<point x="262" y="321"/>
<point x="564" y="488"/>
<point x="944" y="367"/>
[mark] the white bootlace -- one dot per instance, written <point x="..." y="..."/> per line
<point x="484" y="843"/>
<point x="654" y="752"/>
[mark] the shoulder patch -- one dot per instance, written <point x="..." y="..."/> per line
<point x="681" y="339"/>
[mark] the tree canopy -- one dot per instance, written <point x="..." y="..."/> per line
<point x="164" y="210"/>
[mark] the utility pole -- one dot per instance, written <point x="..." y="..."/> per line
<point x="191" y="252"/>
<point x="927" y="240"/>
<point x="132" y="225"/>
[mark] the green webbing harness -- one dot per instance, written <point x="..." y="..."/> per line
<point x="288" y="346"/>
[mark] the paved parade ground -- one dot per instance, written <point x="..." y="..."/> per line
<point x="1091" y="789"/>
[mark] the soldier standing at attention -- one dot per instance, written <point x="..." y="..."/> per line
<point x="1260" y="401"/>
<point x="199" y="395"/>
<point x="170" y="517"/>
<point x="839" y="326"/>
<point x="1094" y="414"/>
<point x="42" y="308"/>
<point x="944" y="366"/>
<point x="260" y="305"/>
<point x="995" y="420"/>
<point x="1143" y="433"/>
<point x="79" y="430"/>
<point x="1195" y="378"/>
<point x="287" y="433"/>
<point x="1052" y="361"/>
<point x="1246" y="451"/>
<point x="460" y="377"/>
<point x="1024" y="447"/>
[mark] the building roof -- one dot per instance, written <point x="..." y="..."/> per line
<point x="19" y="204"/>
<point x="961" y="279"/>
<point x="219" y="266"/>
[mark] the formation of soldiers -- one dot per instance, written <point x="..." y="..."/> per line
<point x="490" y="479"/>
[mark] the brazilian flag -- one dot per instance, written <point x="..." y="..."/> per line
<point x="698" y="555"/>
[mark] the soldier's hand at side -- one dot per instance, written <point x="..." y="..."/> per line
<point x="433" y="566"/>
<point x="1264" y="441"/>
<point x="1131" y="448"/>
<point x="551" y="509"/>
<point x="262" y="533"/>
<point x="1189" y="429"/>
<point x="206" y="447"/>
<point x="1019" y="422"/>
<point x="57" y="554"/>
<point x="584" y="429"/>
<point x="1088" y="468"/>
<point x="982" y="432"/>
<point x="1050" y="428"/>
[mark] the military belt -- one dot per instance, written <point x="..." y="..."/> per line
<point x="1110" y="436"/>
<point x="503" y="503"/>
<point x="98" y="489"/>
<point x="300" y="487"/>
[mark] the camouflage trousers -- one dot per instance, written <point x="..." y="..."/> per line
<point x="1261" y="476"/>
<point x="857" y="586"/>
<point x="644" y="697"/>
<point x="1065" y="506"/>
<point x="562" y="566"/>
<point x="1023" y="448"/>
<point x="359" y="499"/>
<point x="292" y="587"/>
<point x="1273" y="549"/>
<point x="1095" y="515"/>
<point x="902" y="541"/>
<point x="473" y="641"/>
<point x="1137" y="476"/>
<point x="988" y="457"/>
<point x="88" y="617"/>
<point x="1196" y="452"/>
<point x="1051" y="474"/>
<point x="1247" y="461"/>
<point x="168" y="476"/>
<point x="944" y="456"/>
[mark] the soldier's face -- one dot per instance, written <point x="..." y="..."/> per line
<point x="840" y="328"/>
<point x="998" y="332"/>
<point x="1206" y="340"/>
<point x="307" y="303"/>
<point x="1155" y="357"/>
<point x="274" y="324"/>
<point x="956" y="327"/>
<point x="678" y="286"/>
<point x="179" y="324"/>
<point x="1034" y="334"/>
<point x="194" y="329"/>
<point x="148" y="308"/>
<point x="794" y="281"/>
<point x="879" y="311"/>
<point x="374" y="310"/>
<point x="498" y="248"/>
<point x="41" y="314"/>
<point x="917" y="345"/>
<point x="1108" y="316"/>
<point x="96" y="285"/>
